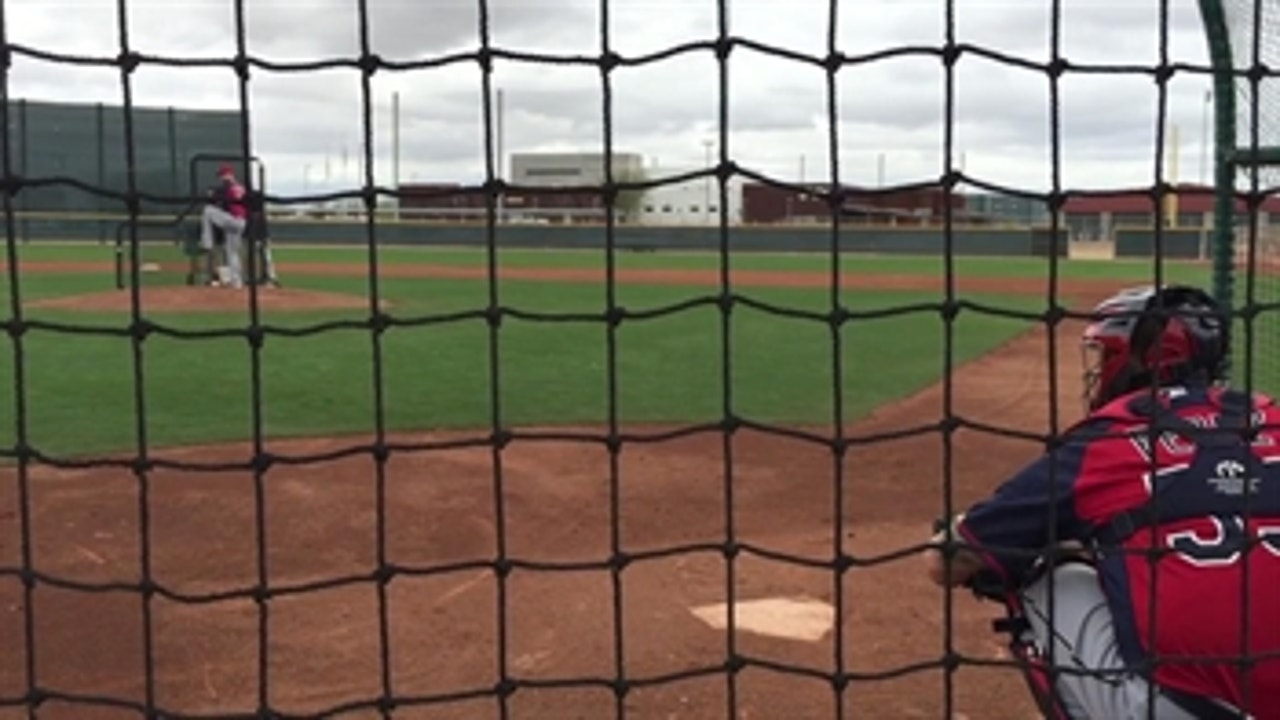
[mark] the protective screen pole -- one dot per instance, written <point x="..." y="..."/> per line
<point x="1224" y="144"/>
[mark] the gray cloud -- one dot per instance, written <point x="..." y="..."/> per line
<point x="407" y="29"/>
<point x="778" y="108"/>
<point x="1091" y="30"/>
<point x="294" y="30"/>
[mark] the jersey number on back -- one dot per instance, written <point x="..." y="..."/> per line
<point x="1226" y="545"/>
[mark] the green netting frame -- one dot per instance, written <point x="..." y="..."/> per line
<point x="1244" y="55"/>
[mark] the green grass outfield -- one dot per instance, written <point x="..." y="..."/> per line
<point x="1122" y="269"/>
<point x="80" y="389"/>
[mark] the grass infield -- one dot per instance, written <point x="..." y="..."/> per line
<point x="81" y="396"/>
<point x="1135" y="270"/>
<point x="80" y="390"/>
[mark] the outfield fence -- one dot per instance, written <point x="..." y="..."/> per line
<point x="285" y="230"/>
<point x="77" y="157"/>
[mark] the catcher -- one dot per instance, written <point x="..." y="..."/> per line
<point x="1191" y="513"/>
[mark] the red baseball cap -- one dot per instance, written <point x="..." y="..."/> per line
<point x="225" y="170"/>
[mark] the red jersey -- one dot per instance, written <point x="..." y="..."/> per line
<point x="1183" y="518"/>
<point x="229" y="195"/>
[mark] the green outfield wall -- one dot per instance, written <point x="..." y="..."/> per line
<point x="929" y="241"/>
<point x="52" y="227"/>
<point x="1178" y="244"/>
<point x="86" y="143"/>
<point x="1175" y="244"/>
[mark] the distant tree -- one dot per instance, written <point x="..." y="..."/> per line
<point x="630" y="202"/>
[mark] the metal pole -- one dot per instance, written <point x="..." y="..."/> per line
<point x="395" y="149"/>
<point x="100" y="127"/>
<point x="1204" y="136"/>
<point x="498" y="140"/>
<point x="1171" y="200"/>
<point x="24" y="199"/>
<point x="1218" y="38"/>
<point x="174" y="176"/>
<point x="706" y="183"/>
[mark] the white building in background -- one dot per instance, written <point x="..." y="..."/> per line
<point x="559" y="169"/>
<point x="689" y="202"/>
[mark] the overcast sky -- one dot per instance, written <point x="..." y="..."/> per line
<point x="304" y="121"/>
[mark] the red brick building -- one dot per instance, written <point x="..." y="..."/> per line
<point x="454" y="202"/>
<point x="764" y="204"/>
<point x="1095" y="218"/>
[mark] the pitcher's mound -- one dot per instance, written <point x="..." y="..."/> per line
<point x="206" y="299"/>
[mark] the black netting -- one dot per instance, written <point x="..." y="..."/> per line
<point x="837" y="317"/>
<point x="1254" y="34"/>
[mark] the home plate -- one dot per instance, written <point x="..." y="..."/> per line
<point x="789" y="618"/>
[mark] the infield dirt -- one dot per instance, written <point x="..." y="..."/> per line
<point x="324" y="520"/>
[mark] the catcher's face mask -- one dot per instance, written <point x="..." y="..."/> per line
<point x="1103" y="355"/>
<point x="1091" y="358"/>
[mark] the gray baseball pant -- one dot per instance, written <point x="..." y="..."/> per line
<point x="232" y="232"/>
<point x="268" y="270"/>
<point x="1084" y="639"/>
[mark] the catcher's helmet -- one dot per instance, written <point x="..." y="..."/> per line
<point x="1145" y="336"/>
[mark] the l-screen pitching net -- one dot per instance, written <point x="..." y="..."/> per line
<point x="1254" y="28"/>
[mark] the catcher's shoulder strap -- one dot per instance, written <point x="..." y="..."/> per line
<point x="1233" y="418"/>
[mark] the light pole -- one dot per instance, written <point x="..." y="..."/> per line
<point x="706" y="183"/>
<point x="1204" y="136"/>
<point x="395" y="151"/>
<point x="499" y="163"/>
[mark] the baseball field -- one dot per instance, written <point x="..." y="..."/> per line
<point x="535" y="572"/>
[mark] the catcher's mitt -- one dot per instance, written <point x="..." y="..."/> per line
<point x="985" y="584"/>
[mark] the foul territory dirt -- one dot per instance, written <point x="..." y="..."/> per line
<point x="452" y="633"/>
